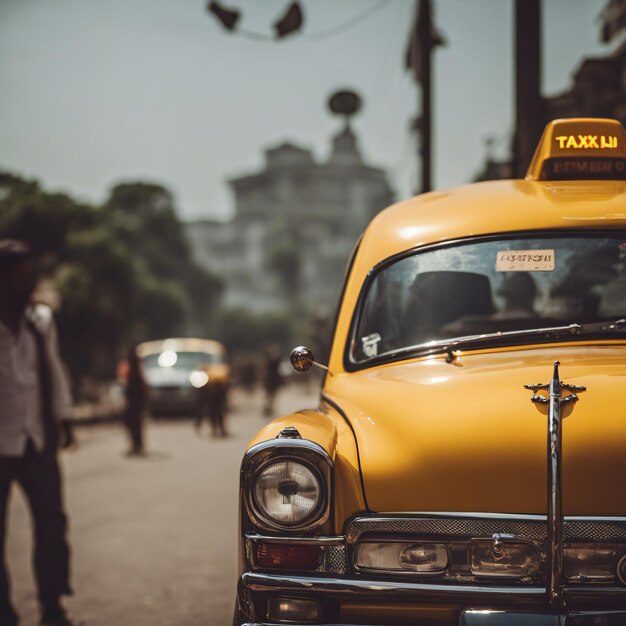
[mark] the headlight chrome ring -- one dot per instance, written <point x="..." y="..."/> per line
<point x="621" y="570"/>
<point x="286" y="485"/>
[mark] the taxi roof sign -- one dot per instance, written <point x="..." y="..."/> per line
<point x="580" y="149"/>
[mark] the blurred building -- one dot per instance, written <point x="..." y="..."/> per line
<point x="296" y="222"/>
<point x="598" y="90"/>
<point x="598" y="86"/>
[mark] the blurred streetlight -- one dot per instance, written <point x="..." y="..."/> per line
<point x="290" y="22"/>
<point x="227" y="17"/>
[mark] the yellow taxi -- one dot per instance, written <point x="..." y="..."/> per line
<point x="467" y="461"/>
<point x="184" y="374"/>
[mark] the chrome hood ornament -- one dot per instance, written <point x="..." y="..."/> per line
<point x="555" y="513"/>
<point x="555" y="386"/>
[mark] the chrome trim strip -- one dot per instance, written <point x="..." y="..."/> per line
<point x="505" y="614"/>
<point x="595" y="592"/>
<point x="285" y="443"/>
<point x="582" y="518"/>
<point x="338" y="540"/>
<point x="393" y="515"/>
<point x="470" y="514"/>
<point x="498" y="598"/>
<point x="360" y="587"/>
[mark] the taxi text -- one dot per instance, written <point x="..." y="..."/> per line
<point x="586" y="141"/>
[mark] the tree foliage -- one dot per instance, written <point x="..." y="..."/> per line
<point x="246" y="332"/>
<point x="124" y="270"/>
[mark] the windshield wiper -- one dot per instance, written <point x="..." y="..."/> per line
<point x="450" y="346"/>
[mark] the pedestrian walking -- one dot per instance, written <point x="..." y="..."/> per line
<point x="136" y="397"/>
<point x="272" y="379"/>
<point x="212" y="402"/>
<point x="35" y="402"/>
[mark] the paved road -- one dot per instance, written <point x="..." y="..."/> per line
<point x="154" y="539"/>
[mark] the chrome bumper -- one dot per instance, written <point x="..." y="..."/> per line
<point x="391" y="590"/>
<point x="479" y="606"/>
<point x="496" y="598"/>
<point x="506" y="618"/>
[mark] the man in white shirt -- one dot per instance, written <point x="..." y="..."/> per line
<point x="35" y="403"/>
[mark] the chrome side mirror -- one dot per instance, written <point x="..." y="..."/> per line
<point x="302" y="359"/>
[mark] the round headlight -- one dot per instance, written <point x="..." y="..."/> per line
<point x="198" y="378"/>
<point x="621" y="570"/>
<point x="287" y="492"/>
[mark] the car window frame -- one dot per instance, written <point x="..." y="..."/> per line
<point x="350" y="365"/>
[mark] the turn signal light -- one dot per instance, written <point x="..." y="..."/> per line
<point x="293" y="610"/>
<point x="288" y="556"/>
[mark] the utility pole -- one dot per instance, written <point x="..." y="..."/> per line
<point x="423" y="39"/>
<point x="529" y="110"/>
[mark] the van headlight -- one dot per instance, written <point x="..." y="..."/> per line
<point x="287" y="491"/>
<point x="286" y="484"/>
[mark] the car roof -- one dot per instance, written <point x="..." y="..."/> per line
<point x="180" y="344"/>
<point x="487" y="208"/>
<point x="493" y="207"/>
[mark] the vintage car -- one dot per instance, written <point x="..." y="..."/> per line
<point x="466" y="464"/>
<point x="181" y="373"/>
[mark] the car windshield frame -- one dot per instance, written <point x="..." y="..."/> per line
<point x="539" y="335"/>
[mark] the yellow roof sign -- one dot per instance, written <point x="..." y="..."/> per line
<point x="580" y="149"/>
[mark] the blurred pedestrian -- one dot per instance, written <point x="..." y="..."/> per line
<point x="213" y="401"/>
<point x="272" y="378"/>
<point x="35" y="404"/>
<point x="247" y="375"/>
<point x="136" y="397"/>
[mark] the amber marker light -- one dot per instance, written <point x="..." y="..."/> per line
<point x="288" y="556"/>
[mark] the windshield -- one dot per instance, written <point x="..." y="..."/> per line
<point x="180" y="360"/>
<point x="490" y="287"/>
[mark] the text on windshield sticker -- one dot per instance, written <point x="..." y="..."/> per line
<point x="525" y="261"/>
<point x="370" y="344"/>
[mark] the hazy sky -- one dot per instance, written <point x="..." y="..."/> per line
<point x="98" y="91"/>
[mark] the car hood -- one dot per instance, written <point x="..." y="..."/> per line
<point x="464" y="436"/>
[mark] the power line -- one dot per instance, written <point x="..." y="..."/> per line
<point x="347" y="25"/>
<point x="249" y="34"/>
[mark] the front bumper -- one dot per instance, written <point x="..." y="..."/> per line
<point x="461" y="605"/>
<point x="173" y="401"/>
<point x="481" y="618"/>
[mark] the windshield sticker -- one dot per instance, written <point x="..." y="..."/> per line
<point x="525" y="261"/>
<point x="370" y="344"/>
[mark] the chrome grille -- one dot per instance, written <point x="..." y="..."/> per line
<point x="335" y="560"/>
<point x="459" y="530"/>
<point x="600" y="530"/>
<point x="453" y="527"/>
<point x="467" y="526"/>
